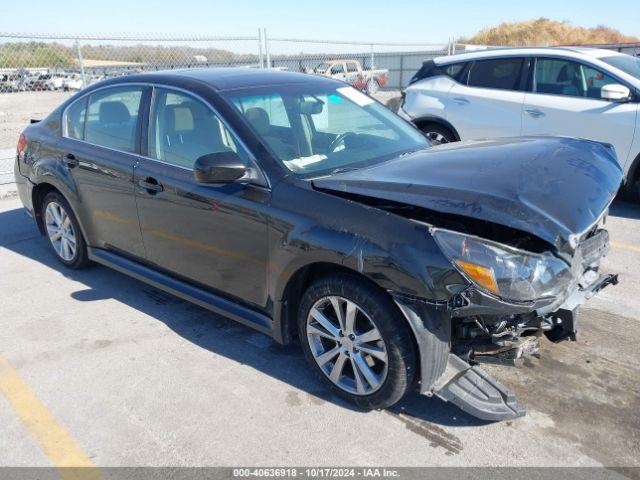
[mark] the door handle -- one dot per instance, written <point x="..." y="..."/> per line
<point x="151" y="185"/>
<point x="70" y="160"/>
<point x="460" y="100"/>
<point x="534" y="113"/>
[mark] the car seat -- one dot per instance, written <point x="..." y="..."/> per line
<point x="259" y="119"/>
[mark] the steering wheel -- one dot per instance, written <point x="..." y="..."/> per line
<point x="340" y="139"/>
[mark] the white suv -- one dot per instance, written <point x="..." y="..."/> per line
<point x="577" y="92"/>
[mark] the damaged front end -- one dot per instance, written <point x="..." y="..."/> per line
<point x="512" y="298"/>
<point x="521" y="222"/>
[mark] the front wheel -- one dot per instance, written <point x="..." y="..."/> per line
<point x="356" y="341"/>
<point x="437" y="134"/>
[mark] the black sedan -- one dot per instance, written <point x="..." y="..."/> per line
<point x="303" y="208"/>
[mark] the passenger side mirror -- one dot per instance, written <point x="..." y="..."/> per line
<point x="615" y="92"/>
<point x="219" y="167"/>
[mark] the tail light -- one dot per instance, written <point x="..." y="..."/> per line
<point x="22" y="144"/>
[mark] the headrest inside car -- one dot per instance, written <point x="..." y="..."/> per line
<point x="182" y="117"/>
<point x="259" y="119"/>
<point x="114" y="112"/>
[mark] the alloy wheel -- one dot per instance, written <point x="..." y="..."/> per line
<point x="437" y="138"/>
<point x="60" y="231"/>
<point x="347" y="345"/>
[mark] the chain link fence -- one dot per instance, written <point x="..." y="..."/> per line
<point x="39" y="71"/>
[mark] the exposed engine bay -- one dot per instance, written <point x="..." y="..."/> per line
<point x="508" y="339"/>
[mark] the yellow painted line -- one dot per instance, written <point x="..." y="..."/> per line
<point x="625" y="246"/>
<point x="52" y="437"/>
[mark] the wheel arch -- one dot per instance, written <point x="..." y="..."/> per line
<point x="39" y="192"/>
<point x="421" y="122"/>
<point x="297" y="284"/>
<point x="633" y="174"/>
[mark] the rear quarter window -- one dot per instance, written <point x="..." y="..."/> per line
<point x="74" y="119"/>
<point x="430" y="69"/>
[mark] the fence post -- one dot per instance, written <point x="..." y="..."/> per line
<point x="81" y="63"/>
<point x="266" y="47"/>
<point x="371" y="67"/>
<point x="261" y="58"/>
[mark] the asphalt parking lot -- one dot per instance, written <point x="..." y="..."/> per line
<point x="99" y="369"/>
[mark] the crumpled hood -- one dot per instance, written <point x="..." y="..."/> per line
<point x="552" y="187"/>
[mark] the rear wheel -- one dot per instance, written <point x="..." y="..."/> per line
<point x="63" y="231"/>
<point x="355" y="339"/>
<point x="437" y="134"/>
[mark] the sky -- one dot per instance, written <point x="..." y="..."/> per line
<point x="371" y="20"/>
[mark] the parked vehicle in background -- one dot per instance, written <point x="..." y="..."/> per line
<point x="54" y="81"/>
<point x="305" y="209"/>
<point x="11" y="82"/>
<point x="351" y="72"/>
<point x="36" y="82"/>
<point x="577" y="92"/>
<point x="72" y="82"/>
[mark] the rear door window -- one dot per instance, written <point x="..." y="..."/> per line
<point x="499" y="73"/>
<point x="112" y="118"/>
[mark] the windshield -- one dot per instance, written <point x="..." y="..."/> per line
<point x="626" y="63"/>
<point x="315" y="130"/>
<point x="323" y="67"/>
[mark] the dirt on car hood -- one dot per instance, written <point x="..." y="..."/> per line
<point x="555" y="188"/>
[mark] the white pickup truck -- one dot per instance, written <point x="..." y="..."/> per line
<point x="351" y="72"/>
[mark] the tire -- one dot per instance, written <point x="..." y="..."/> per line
<point x="437" y="134"/>
<point x="631" y="192"/>
<point x="382" y="383"/>
<point x="372" y="86"/>
<point x="54" y="212"/>
<point x="394" y="104"/>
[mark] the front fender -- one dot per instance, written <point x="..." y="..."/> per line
<point x="396" y="253"/>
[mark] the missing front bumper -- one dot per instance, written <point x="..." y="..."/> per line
<point x="471" y="389"/>
<point x="468" y="386"/>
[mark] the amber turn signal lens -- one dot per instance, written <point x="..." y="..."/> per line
<point x="481" y="275"/>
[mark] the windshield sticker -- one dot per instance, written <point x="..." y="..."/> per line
<point x="333" y="98"/>
<point x="355" y="96"/>
<point x="302" y="162"/>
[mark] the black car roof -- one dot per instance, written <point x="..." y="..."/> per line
<point x="229" y="78"/>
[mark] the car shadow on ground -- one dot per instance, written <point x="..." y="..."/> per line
<point x="216" y="333"/>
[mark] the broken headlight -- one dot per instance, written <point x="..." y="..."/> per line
<point x="501" y="270"/>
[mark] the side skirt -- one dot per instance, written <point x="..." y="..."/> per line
<point x="186" y="291"/>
